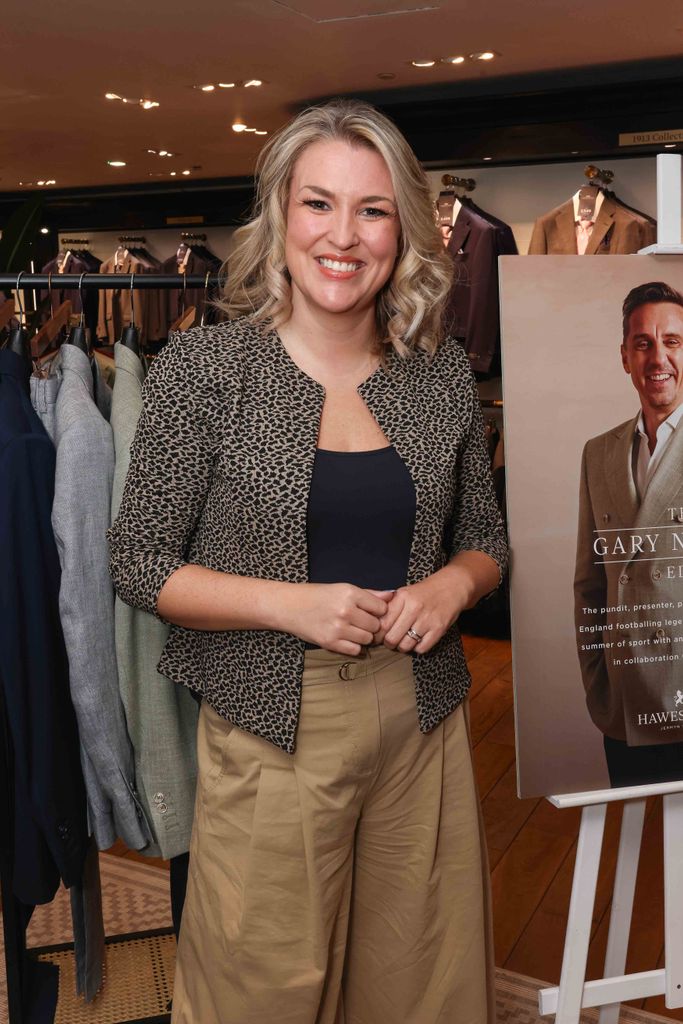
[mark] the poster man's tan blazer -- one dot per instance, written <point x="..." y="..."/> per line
<point x="631" y="684"/>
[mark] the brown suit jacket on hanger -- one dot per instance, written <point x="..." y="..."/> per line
<point x="616" y="231"/>
<point x="115" y="303"/>
<point x="174" y="298"/>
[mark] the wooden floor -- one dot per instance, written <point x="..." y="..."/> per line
<point x="532" y="846"/>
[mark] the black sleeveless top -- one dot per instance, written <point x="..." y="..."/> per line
<point x="360" y="520"/>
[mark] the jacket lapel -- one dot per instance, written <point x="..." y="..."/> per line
<point x="619" y="473"/>
<point x="566" y="229"/>
<point x="666" y="483"/>
<point x="604" y="222"/>
<point x="460" y="232"/>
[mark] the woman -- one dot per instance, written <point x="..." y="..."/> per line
<point x="309" y="504"/>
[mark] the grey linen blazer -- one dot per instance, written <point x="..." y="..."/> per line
<point x="220" y="474"/>
<point x="161" y="716"/>
<point x="80" y="517"/>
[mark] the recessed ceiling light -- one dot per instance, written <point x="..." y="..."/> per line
<point x="116" y="163"/>
<point x="484" y="55"/>
<point x="187" y="172"/>
<point x="260" y="132"/>
<point x="45" y="231"/>
<point x="40" y="182"/>
<point x="146" y="104"/>
<point x="423" y="63"/>
<point x="253" y="81"/>
<point x="452" y="60"/>
<point x="51" y="181"/>
<point x="487" y="158"/>
<point x="386" y="75"/>
<point x="226" y="85"/>
<point x="207" y="88"/>
<point x="669" y="145"/>
<point x="250" y="129"/>
<point x="173" y="174"/>
<point x="239" y="126"/>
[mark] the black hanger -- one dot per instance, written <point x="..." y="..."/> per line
<point x="17" y="341"/>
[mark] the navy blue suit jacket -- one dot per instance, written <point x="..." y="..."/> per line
<point x="50" y="821"/>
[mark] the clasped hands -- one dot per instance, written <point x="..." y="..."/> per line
<point x="345" y="618"/>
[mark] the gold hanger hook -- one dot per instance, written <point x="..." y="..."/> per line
<point x="80" y="292"/>
<point x="206" y="296"/>
<point x="22" y="315"/>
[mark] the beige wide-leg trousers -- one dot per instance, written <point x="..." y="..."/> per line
<point x="344" y="884"/>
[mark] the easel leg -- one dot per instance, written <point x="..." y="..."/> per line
<point x="673" y="910"/>
<point x="622" y="900"/>
<point x="580" y="914"/>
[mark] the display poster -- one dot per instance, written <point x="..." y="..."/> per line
<point x="593" y="403"/>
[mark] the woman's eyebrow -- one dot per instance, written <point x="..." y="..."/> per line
<point x="330" y="195"/>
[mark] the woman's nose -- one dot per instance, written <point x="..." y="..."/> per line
<point x="342" y="231"/>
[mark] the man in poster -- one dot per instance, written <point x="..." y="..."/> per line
<point x="628" y="582"/>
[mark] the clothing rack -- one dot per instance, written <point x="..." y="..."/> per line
<point x="132" y="238"/>
<point x="100" y="281"/>
<point x="188" y="236"/>
<point x="11" y="912"/>
<point x="75" y="241"/>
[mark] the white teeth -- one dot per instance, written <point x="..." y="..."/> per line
<point x="660" y="376"/>
<point x="336" y="265"/>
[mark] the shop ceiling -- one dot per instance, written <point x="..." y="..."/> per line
<point x="58" y="61"/>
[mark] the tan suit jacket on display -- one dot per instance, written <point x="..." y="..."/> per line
<point x="634" y="700"/>
<point x="616" y="231"/>
<point x="115" y="303"/>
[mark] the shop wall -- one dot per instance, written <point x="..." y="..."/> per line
<point x="520" y="194"/>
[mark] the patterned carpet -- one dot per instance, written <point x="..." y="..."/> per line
<point x="138" y="973"/>
<point x="139" y="967"/>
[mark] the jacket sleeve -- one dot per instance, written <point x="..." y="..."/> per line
<point x="80" y="516"/>
<point x="590" y="591"/>
<point x="482" y="337"/>
<point x="477" y="522"/>
<point x="171" y="466"/>
<point x="538" y="246"/>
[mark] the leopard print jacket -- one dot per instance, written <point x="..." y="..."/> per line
<point x="219" y="476"/>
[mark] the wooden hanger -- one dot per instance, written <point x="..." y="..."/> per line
<point x="185" y="320"/>
<point x="6" y="312"/>
<point x="49" y="331"/>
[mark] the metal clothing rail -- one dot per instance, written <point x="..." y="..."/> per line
<point x="100" y="281"/>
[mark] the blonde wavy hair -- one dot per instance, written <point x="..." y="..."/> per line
<point x="409" y="308"/>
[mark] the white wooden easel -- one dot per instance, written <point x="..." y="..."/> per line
<point x="574" y="992"/>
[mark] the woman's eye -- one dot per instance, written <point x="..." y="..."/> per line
<point x="316" y="204"/>
<point x="374" y="212"/>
